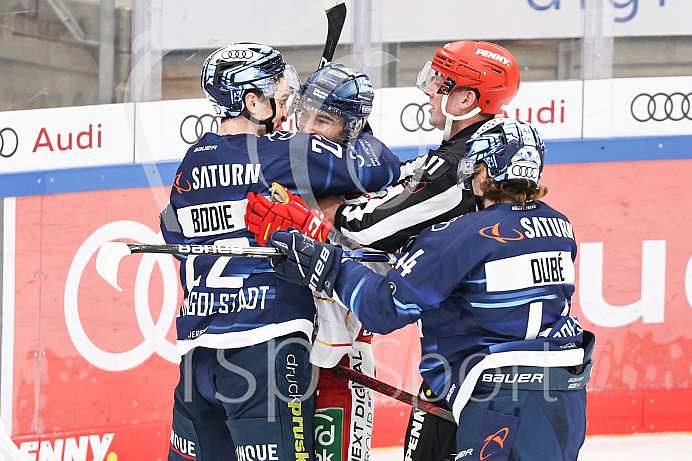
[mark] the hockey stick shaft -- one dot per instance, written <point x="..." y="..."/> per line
<point x="336" y="16"/>
<point x="111" y="253"/>
<point x="393" y="392"/>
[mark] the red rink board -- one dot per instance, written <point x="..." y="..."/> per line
<point x="641" y="379"/>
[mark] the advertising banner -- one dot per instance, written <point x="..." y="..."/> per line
<point x="163" y="131"/>
<point x="184" y="23"/>
<point x="66" y="137"/>
<point x="92" y="365"/>
<point x="166" y="129"/>
<point x="401" y="116"/>
<point x="637" y="107"/>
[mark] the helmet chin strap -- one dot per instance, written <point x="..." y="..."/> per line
<point x="268" y="123"/>
<point x="449" y="118"/>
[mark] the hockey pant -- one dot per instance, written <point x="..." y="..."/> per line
<point x="344" y="409"/>
<point x="249" y="403"/>
<point x="512" y="416"/>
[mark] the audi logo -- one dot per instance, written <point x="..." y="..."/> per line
<point x="193" y="127"/>
<point x="661" y="106"/>
<point x="524" y="171"/>
<point x="9" y="141"/>
<point x="415" y="117"/>
<point x="237" y="54"/>
<point x="153" y="331"/>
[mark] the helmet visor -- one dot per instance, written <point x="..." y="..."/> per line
<point x="292" y="78"/>
<point x="465" y="172"/>
<point x="428" y="76"/>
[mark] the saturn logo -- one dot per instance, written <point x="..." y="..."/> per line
<point x="495" y="234"/>
<point x="498" y="438"/>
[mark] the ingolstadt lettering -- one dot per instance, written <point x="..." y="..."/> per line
<point x="68" y="141"/>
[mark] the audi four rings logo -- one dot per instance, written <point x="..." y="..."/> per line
<point x="9" y="141"/>
<point x="194" y="126"/>
<point x="237" y="54"/>
<point x="153" y="333"/>
<point x="415" y="117"/>
<point x="524" y="171"/>
<point x="661" y="106"/>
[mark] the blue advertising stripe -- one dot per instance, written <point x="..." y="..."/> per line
<point x="598" y="149"/>
<point x="89" y="178"/>
<point x="145" y="175"/>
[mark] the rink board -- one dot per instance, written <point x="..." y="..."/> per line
<point x="94" y="369"/>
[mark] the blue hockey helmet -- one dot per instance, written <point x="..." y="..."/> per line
<point x="338" y="90"/>
<point x="229" y="72"/>
<point x="512" y="150"/>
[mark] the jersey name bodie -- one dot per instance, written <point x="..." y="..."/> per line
<point x="232" y="301"/>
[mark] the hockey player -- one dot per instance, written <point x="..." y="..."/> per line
<point x="468" y="83"/>
<point x="245" y="386"/>
<point x="335" y="103"/>
<point x="491" y="292"/>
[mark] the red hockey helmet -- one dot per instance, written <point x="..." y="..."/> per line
<point x="489" y="68"/>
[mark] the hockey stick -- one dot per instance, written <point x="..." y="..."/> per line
<point x="336" y="15"/>
<point x="393" y="392"/>
<point x="110" y="254"/>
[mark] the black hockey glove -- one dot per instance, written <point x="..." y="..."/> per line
<point x="308" y="262"/>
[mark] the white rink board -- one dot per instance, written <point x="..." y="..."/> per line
<point x="638" y="107"/>
<point x="166" y="129"/>
<point x="68" y="137"/>
<point x="162" y="131"/>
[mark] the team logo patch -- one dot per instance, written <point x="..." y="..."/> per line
<point x="493" y="232"/>
<point x="181" y="188"/>
<point x="492" y="442"/>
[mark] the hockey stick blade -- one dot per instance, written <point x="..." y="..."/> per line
<point x="108" y="261"/>
<point x="111" y="253"/>
<point x="393" y="392"/>
<point x="336" y="16"/>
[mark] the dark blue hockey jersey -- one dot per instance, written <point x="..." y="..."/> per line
<point x="235" y="302"/>
<point x="490" y="288"/>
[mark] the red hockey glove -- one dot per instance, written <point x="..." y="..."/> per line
<point x="285" y="209"/>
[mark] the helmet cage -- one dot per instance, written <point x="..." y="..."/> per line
<point x="338" y="91"/>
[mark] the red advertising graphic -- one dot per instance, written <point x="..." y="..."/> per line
<point x="95" y="369"/>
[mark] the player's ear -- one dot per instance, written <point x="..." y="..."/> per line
<point x="252" y="100"/>
<point x="468" y="98"/>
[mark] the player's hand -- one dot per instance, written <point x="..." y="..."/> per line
<point x="264" y="216"/>
<point x="308" y="262"/>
